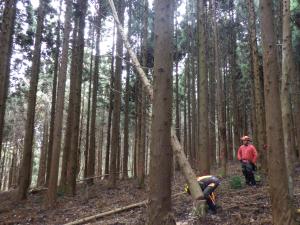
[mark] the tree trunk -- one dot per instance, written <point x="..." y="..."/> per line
<point x="282" y="209"/>
<point x="288" y="68"/>
<point x="100" y="144"/>
<point x="115" y="137"/>
<point x="126" y="110"/>
<point x="92" y="149"/>
<point x="6" y="40"/>
<point x="220" y="97"/>
<point x="261" y="133"/>
<point x="176" y="147"/>
<point x="2" y="166"/>
<point x="87" y="137"/>
<point x="58" y="117"/>
<point x="161" y="153"/>
<point x="136" y="131"/>
<point x="26" y="164"/>
<point x="204" y="165"/>
<point x="233" y="68"/>
<point x="194" y="138"/>
<point x="110" y="109"/>
<point x="13" y="169"/>
<point x="212" y="89"/>
<point x="177" y="100"/>
<point x="296" y="106"/>
<point x="72" y="160"/>
<point x="67" y="139"/>
<point x="142" y="104"/>
<point x="189" y="118"/>
<point x="81" y="131"/>
<point x="53" y="102"/>
<point x="41" y="180"/>
<point x="185" y="116"/>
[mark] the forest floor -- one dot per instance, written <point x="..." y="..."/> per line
<point x="246" y="205"/>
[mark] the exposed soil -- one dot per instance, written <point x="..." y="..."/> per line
<point x="247" y="205"/>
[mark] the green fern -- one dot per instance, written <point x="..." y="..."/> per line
<point x="236" y="182"/>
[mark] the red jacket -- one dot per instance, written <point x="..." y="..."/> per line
<point x="247" y="153"/>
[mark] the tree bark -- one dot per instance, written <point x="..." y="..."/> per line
<point x="115" y="137"/>
<point x="41" y="180"/>
<point x="220" y="97"/>
<point x="110" y="109"/>
<point x="67" y="139"/>
<point x="58" y="116"/>
<point x="282" y="209"/>
<point x="212" y="89"/>
<point x="189" y="117"/>
<point x="259" y="101"/>
<point x="72" y="160"/>
<point x="204" y="162"/>
<point x="53" y="102"/>
<point x="12" y="171"/>
<point x="6" y="41"/>
<point x="142" y="104"/>
<point x="288" y="68"/>
<point x="161" y="153"/>
<point x="87" y="137"/>
<point x="26" y="164"/>
<point x="126" y="110"/>
<point x="185" y="116"/>
<point x="100" y="144"/>
<point x="92" y="149"/>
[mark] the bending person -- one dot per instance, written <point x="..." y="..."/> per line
<point x="208" y="185"/>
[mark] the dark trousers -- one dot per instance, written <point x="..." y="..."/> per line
<point x="248" y="169"/>
<point x="208" y="197"/>
<point x="211" y="204"/>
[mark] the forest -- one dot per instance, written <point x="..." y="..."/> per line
<point x="157" y="112"/>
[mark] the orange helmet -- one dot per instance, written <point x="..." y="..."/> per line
<point x="245" y="138"/>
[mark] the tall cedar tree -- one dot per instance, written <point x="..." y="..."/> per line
<point x="26" y="164"/>
<point x="204" y="165"/>
<point x="115" y="137"/>
<point x="127" y="89"/>
<point x="161" y="153"/>
<point x="282" y="209"/>
<point x="142" y="103"/>
<point x="87" y="136"/>
<point x="110" y="107"/>
<point x="288" y="68"/>
<point x="58" y="117"/>
<point x="259" y="108"/>
<point x="220" y="96"/>
<point x="234" y="78"/>
<point x="77" y="76"/>
<point x="44" y="150"/>
<point x="6" y="40"/>
<point x="92" y="149"/>
<point x="53" y="102"/>
<point x="212" y="85"/>
<point x="67" y="140"/>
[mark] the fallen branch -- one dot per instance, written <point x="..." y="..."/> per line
<point x="100" y="176"/>
<point x="184" y="164"/>
<point x="114" y="211"/>
<point x="37" y="190"/>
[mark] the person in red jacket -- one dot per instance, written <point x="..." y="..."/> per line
<point x="247" y="155"/>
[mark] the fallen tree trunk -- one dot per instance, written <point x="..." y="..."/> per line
<point x="185" y="167"/>
<point x="114" y="211"/>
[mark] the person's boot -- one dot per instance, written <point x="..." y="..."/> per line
<point x="212" y="207"/>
